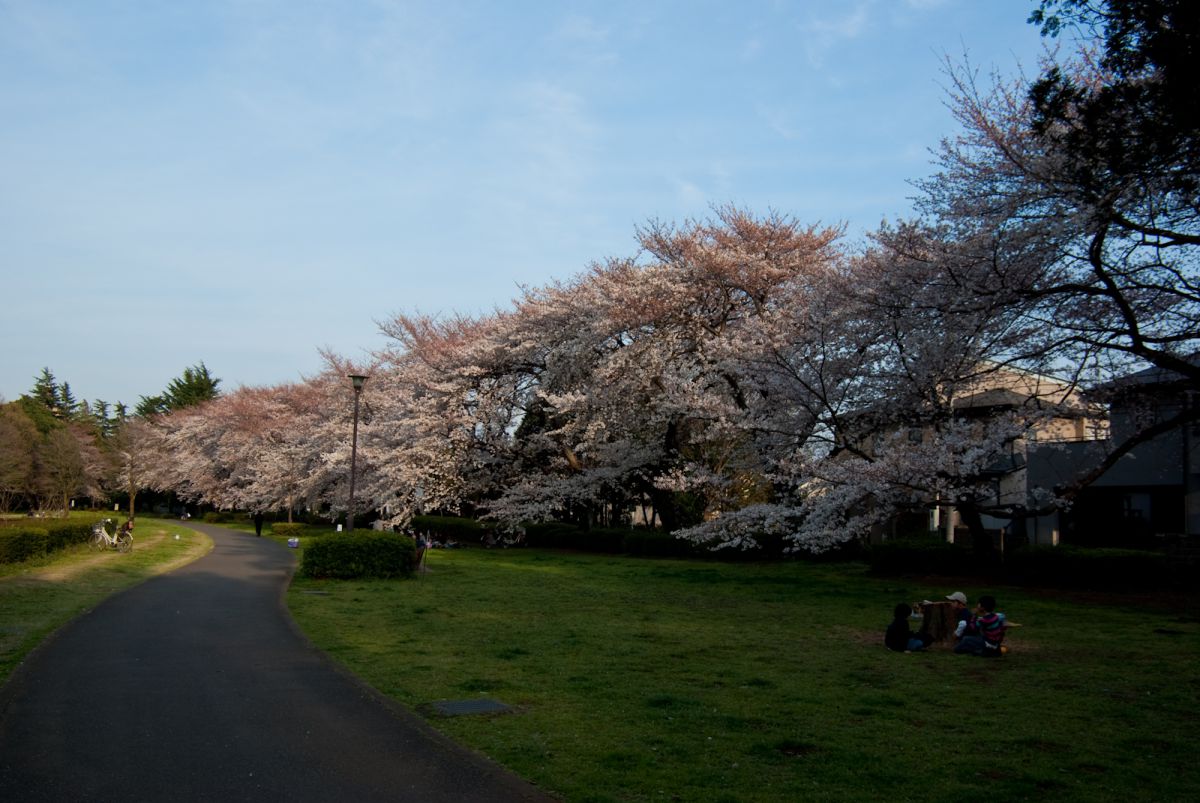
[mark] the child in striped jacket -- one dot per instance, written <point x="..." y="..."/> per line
<point x="984" y="633"/>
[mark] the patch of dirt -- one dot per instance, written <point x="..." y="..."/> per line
<point x="66" y="572"/>
<point x="871" y="638"/>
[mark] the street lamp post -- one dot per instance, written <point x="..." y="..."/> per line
<point x="357" y="380"/>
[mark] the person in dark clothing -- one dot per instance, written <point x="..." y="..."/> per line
<point x="258" y="523"/>
<point x="898" y="637"/>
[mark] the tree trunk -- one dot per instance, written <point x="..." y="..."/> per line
<point x="981" y="542"/>
<point x="939" y="620"/>
<point x="1018" y="531"/>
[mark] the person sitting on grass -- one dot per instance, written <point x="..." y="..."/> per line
<point x="962" y="614"/>
<point x="898" y="637"/>
<point x="984" y="635"/>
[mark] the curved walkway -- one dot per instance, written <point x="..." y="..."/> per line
<point x="197" y="686"/>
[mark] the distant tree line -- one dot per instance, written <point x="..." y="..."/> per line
<point x="55" y="448"/>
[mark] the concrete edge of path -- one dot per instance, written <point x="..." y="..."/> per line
<point x="438" y="740"/>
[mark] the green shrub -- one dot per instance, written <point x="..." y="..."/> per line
<point x="921" y="556"/>
<point x="553" y="534"/>
<point x="771" y="546"/>
<point x="62" y="534"/>
<point x="609" y="540"/>
<point x="1039" y="566"/>
<point x="852" y="550"/>
<point x="559" y="535"/>
<point x="21" y="543"/>
<point x="360" y="555"/>
<point x="221" y="516"/>
<point x="1094" y="569"/>
<point x="645" y="542"/>
<point x="450" y="528"/>
<point x="304" y="530"/>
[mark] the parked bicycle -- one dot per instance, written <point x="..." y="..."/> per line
<point x="121" y="539"/>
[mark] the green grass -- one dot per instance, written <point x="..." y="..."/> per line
<point x="675" y="680"/>
<point x="39" y="596"/>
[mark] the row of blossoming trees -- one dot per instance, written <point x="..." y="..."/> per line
<point x="749" y="374"/>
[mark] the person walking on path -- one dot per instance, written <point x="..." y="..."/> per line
<point x="196" y="685"/>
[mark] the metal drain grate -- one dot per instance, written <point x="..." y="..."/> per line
<point x="458" y="708"/>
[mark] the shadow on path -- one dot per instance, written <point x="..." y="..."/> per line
<point x="196" y="685"/>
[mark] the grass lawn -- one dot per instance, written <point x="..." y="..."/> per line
<point x="39" y="596"/>
<point x="676" y="680"/>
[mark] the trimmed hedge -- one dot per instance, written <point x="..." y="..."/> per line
<point x="62" y="534"/>
<point x="20" y="540"/>
<point x="1097" y="569"/>
<point x="285" y="530"/>
<point x="643" y="542"/>
<point x="22" y="543"/>
<point x="921" y="556"/>
<point x="365" y="554"/>
<point x="1063" y="566"/>
<point x="450" y="528"/>
<point x="557" y="535"/>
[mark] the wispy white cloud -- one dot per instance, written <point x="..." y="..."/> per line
<point x="542" y="140"/>
<point x="690" y="194"/>
<point x="575" y="28"/>
<point x="582" y="40"/>
<point x="781" y="119"/>
<point x="821" y="35"/>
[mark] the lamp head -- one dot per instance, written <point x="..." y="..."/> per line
<point x="357" y="380"/>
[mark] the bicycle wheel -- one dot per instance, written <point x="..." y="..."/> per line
<point x="125" y="543"/>
<point x="97" y="542"/>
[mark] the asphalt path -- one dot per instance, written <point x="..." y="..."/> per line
<point x="197" y="686"/>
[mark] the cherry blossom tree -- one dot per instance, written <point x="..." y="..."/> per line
<point x="1075" y="195"/>
<point x="635" y="371"/>
<point x="1060" y="230"/>
<point x="271" y="445"/>
<point x="863" y="378"/>
<point x="447" y="400"/>
<point x="254" y="448"/>
<point x="1055" y="238"/>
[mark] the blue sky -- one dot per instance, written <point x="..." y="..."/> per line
<point x="245" y="181"/>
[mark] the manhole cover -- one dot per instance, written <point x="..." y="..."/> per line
<point x="457" y="708"/>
